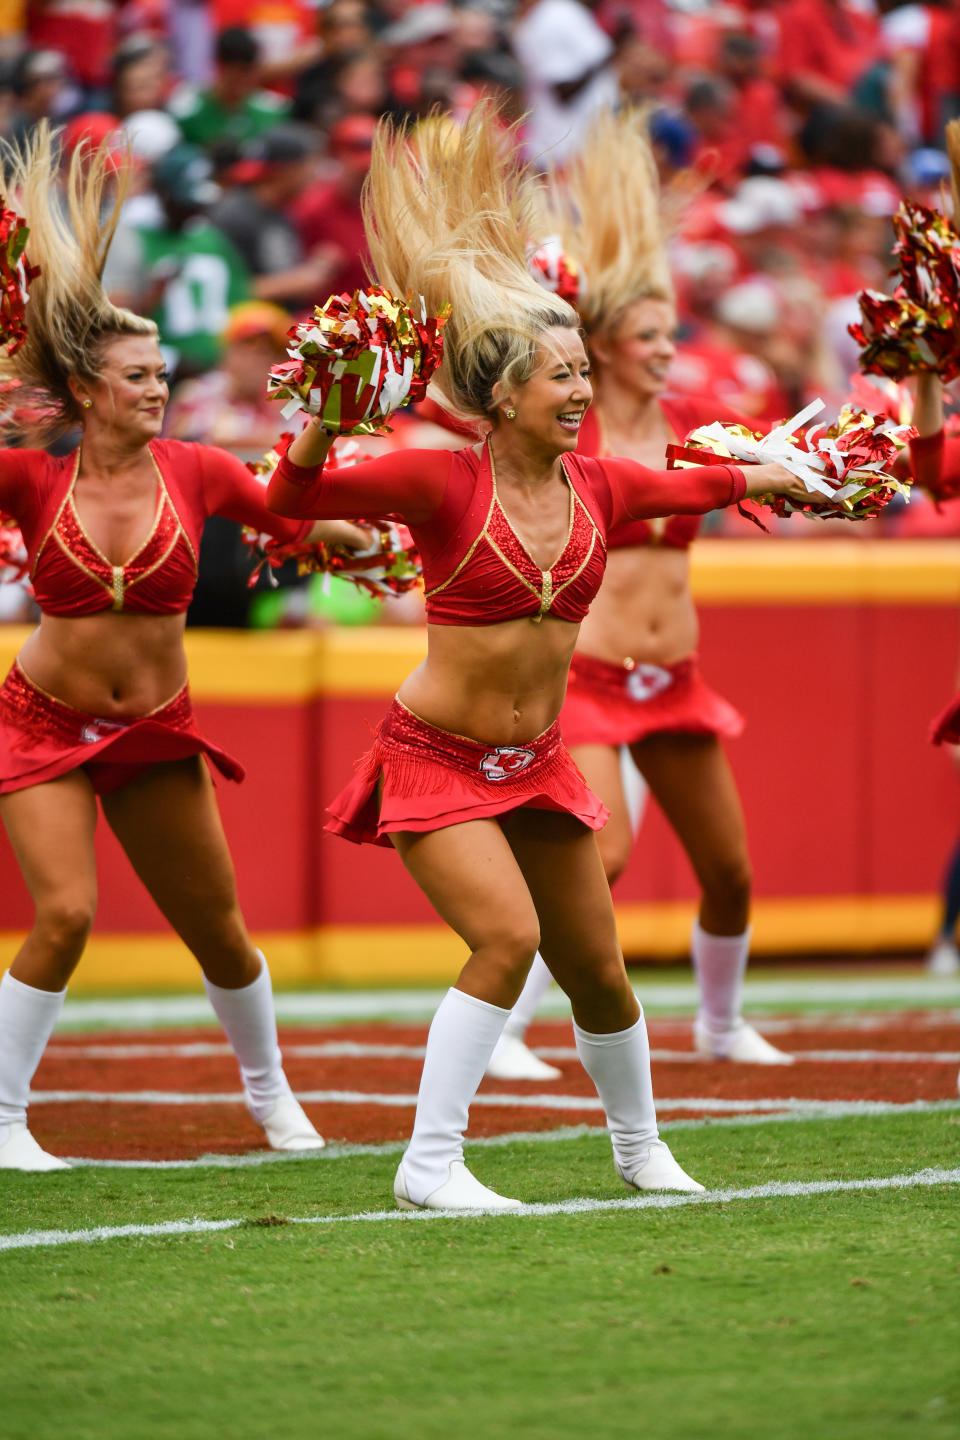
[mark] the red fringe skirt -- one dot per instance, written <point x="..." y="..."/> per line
<point x="41" y="738"/>
<point x="429" y="779"/>
<point x="610" y="704"/>
<point x="946" y="727"/>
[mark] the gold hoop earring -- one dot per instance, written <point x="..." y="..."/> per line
<point x="510" y="414"/>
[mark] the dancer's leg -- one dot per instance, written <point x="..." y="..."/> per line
<point x="469" y="875"/>
<point x="944" y="957"/>
<point x="615" y="778"/>
<point x="690" y="778"/>
<point x="168" y="823"/>
<point x="51" y="829"/>
<point x="562" y="867"/>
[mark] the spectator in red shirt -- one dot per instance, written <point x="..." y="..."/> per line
<point x="330" y="215"/>
<point x="826" y="47"/>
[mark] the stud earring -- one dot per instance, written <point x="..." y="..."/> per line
<point x="87" y="404"/>
<point x="510" y="414"/>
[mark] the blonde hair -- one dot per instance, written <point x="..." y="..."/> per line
<point x="68" y="313"/>
<point x="613" y="219"/>
<point x="449" y="218"/>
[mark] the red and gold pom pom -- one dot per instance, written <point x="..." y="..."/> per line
<point x="916" y="328"/>
<point x="557" y="271"/>
<point x="14" y="564"/>
<point x="845" y="466"/>
<point x="16" y="276"/>
<point x="359" y="359"/>
<point x="389" y="565"/>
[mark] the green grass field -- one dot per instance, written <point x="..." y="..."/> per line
<point x="821" y="1315"/>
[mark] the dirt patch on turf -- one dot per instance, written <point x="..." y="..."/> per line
<point x="117" y="1129"/>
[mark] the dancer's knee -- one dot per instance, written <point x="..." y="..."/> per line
<point x="64" y="921"/>
<point x="727" y="886"/>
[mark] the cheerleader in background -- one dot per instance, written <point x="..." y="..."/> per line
<point x="931" y="457"/>
<point x="635" y="680"/>
<point x="96" y="704"/>
<point x="468" y="778"/>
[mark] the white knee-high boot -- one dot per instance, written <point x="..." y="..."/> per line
<point x="432" y="1174"/>
<point x="619" y="1066"/>
<point x="27" y="1018"/>
<point x="512" y="1058"/>
<point x="720" y="1032"/>
<point x="247" y="1015"/>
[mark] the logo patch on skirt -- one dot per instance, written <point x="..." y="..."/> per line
<point x="99" y="730"/>
<point x="505" y="762"/>
<point x="646" y="681"/>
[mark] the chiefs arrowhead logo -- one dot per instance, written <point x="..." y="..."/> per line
<point x="646" y="681"/>
<point x="505" y="762"/>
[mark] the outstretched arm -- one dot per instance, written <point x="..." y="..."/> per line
<point x="642" y="494"/>
<point x="409" y="484"/>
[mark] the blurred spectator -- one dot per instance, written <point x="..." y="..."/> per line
<point x="344" y="32"/>
<point x="422" y="58"/>
<point x="84" y="33"/>
<point x="329" y="215"/>
<point x="275" y="170"/>
<point x="353" y="83"/>
<point x="923" y="42"/>
<point x="183" y="273"/>
<point x="234" y="107"/>
<point x="41" y="91"/>
<point x="825" y="48"/>
<point x="568" y="63"/>
<point x="141" y="75"/>
<point x="228" y="406"/>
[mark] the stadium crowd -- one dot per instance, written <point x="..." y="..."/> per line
<point x="794" y="129"/>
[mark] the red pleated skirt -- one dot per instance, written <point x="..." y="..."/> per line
<point x="946" y="727"/>
<point x="41" y="738"/>
<point x="429" y="779"/>
<point x="610" y="704"/>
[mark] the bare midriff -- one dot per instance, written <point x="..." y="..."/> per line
<point x="644" y="610"/>
<point x="115" y="666"/>
<point x="500" y="684"/>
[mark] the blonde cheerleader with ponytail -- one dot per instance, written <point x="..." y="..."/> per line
<point x="96" y="706"/>
<point x="635" y="683"/>
<point x="468" y="778"/>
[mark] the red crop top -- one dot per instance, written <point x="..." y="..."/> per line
<point x="72" y="576"/>
<point x="682" y="413"/>
<point x="476" y="570"/>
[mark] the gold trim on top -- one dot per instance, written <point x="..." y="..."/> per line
<point x="513" y="529"/>
<point x="56" y="519"/>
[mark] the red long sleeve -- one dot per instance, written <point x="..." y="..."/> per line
<point x="410" y="484"/>
<point x="927" y="456"/>
<point x="637" y="493"/>
<point x="230" y="490"/>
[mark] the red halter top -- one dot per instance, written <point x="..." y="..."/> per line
<point x="70" y="573"/>
<point x="72" y="576"/>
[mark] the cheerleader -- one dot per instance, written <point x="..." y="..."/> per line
<point x="468" y="778"/>
<point x="635" y="679"/>
<point x="96" y="706"/>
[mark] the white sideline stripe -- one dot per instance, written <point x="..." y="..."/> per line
<point x="773" y="1190"/>
<point x="344" y="1150"/>
<point x="708" y="1104"/>
<point x="910" y="991"/>
<point x="358" y="1050"/>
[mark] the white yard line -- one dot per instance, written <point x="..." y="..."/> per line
<point x="706" y="1104"/>
<point x="360" y="1050"/>
<point x="909" y="991"/>
<point x="774" y="1190"/>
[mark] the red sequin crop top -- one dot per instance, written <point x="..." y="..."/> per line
<point x="682" y="413"/>
<point x="70" y="573"/>
<point x="476" y="570"/>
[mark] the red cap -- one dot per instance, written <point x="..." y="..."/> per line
<point x="94" y="127"/>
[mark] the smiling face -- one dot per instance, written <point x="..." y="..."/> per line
<point x="552" y="403"/>
<point x="131" y="392"/>
<point x="640" y="349"/>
